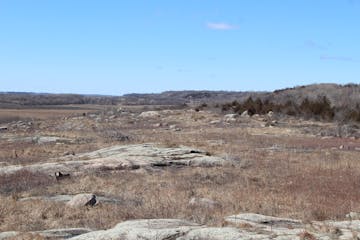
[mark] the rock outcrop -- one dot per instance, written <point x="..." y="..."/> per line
<point x="124" y="157"/>
<point x="68" y="198"/>
<point x="246" y="226"/>
<point x="159" y="229"/>
<point x="65" y="233"/>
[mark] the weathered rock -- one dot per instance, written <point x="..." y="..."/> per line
<point x="174" y="128"/>
<point x="270" y="114"/>
<point x="61" y="176"/>
<point x="82" y="200"/>
<point x="353" y="215"/>
<point x="159" y="229"/>
<point x="174" y="229"/>
<point x="229" y="118"/>
<point x="226" y="233"/>
<point x="150" y="114"/>
<point x="215" y="122"/>
<point x="65" y="233"/>
<point x="38" y="139"/>
<point x="258" y="220"/>
<point x="277" y="228"/>
<point x="353" y="225"/>
<point x="249" y="227"/>
<point x="121" y="158"/>
<point x="66" y="198"/>
<point x="7" y="235"/>
<point x="245" y="114"/>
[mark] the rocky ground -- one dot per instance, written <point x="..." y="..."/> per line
<point x="135" y="172"/>
<point x="241" y="226"/>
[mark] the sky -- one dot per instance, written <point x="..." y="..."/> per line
<point x="146" y="46"/>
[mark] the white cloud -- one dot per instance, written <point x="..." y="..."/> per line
<point x="314" y="45"/>
<point x="221" y="26"/>
<point x="336" y="58"/>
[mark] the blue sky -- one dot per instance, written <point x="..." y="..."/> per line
<point x="123" y="46"/>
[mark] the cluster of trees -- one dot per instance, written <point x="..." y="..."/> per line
<point x="319" y="109"/>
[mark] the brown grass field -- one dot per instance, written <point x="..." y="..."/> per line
<point x="46" y="112"/>
<point x="278" y="171"/>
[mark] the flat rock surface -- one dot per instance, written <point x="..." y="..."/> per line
<point x="143" y="229"/>
<point x="60" y="233"/>
<point x="258" y="219"/>
<point x="121" y="158"/>
<point x="257" y="227"/>
<point x="66" y="198"/>
<point x="35" y="139"/>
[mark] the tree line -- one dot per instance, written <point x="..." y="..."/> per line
<point x="318" y="109"/>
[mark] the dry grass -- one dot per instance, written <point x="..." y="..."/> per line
<point x="294" y="175"/>
<point x="7" y="115"/>
<point x="22" y="181"/>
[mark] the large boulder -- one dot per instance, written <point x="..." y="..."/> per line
<point x="82" y="200"/>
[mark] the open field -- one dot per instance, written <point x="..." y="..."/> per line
<point x="292" y="168"/>
<point x="45" y="112"/>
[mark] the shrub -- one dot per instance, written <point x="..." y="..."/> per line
<point x="319" y="109"/>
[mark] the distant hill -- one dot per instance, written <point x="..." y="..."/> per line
<point x="339" y="96"/>
<point x="22" y="99"/>
<point x="186" y="97"/>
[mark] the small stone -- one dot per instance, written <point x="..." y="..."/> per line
<point x="270" y="114"/>
<point x="245" y="114"/>
<point x="230" y="118"/>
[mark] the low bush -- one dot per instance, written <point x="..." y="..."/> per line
<point x="319" y="109"/>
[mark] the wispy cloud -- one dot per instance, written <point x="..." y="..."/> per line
<point x="311" y="44"/>
<point x="336" y="58"/>
<point x="221" y="26"/>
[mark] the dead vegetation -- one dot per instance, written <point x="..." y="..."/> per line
<point x="21" y="181"/>
<point x="278" y="171"/>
